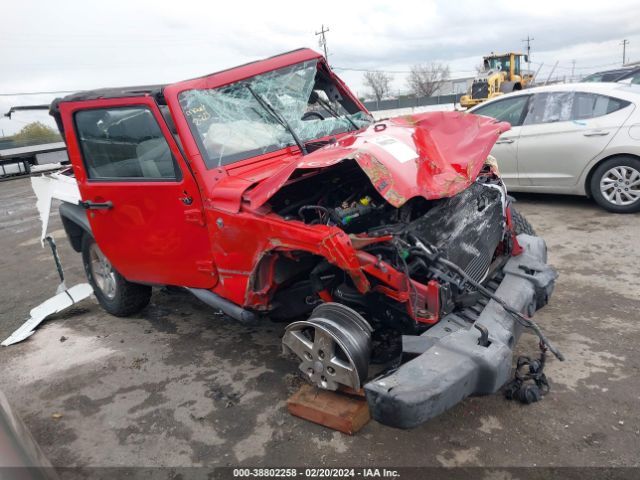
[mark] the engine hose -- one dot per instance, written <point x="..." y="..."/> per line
<point x="314" y="276"/>
<point x="412" y="287"/>
<point x="318" y="208"/>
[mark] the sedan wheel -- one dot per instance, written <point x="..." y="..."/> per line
<point x="621" y="185"/>
<point x="615" y="184"/>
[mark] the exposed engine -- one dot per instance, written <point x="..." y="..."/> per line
<point x="468" y="229"/>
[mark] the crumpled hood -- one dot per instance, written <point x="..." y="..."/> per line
<point x="433" y="155"/>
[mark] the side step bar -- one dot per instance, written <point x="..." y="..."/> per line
<point x="229" y="308"/>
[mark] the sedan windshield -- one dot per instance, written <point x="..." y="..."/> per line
<point x="234" y="122"/>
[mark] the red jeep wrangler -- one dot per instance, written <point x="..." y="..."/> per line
<point x="268" y="190"/>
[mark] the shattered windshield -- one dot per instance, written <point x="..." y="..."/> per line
<point x="231" y="124"/>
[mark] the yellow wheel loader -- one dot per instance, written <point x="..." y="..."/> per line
<point x="501" y="74"/>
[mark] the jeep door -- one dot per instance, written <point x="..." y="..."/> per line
<point x="142" y="201"/>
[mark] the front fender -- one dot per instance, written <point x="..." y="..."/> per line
<point x="75" y="222"/>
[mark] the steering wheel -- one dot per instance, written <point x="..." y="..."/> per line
<point x="312" y="115"/>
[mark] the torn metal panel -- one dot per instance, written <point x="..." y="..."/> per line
<point x="56" y="304"/>
<point x="432" y="155"/>
<point x="47" y="187"/>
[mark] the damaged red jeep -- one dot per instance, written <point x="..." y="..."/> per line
<point x="268" y="191"/>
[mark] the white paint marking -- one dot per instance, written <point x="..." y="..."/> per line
<point x="400" y="151"/>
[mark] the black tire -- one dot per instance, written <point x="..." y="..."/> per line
<point x="601" y="172"/>
<point x="521" y="224"/>
<point x="126" y="299"/>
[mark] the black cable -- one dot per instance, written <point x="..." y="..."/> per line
<point x="313" y="207"/>
<point x="530" y="383"/>
<point x="412" y="287"/>
<point x="524" y="321"/>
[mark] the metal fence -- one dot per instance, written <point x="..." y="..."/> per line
<point x="10" y="142"/>
<point x="412" y="102"/>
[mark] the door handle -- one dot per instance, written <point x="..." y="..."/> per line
<point x="504" y="140"/>
<point x="186" y="199"/>
<point x="89" y="205"/>
<point x="596" y="133"/>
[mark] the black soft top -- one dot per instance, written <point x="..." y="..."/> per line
<point x="101" y="93"/>
<point x="118" y="92"/>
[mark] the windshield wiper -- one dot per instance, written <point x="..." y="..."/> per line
<point x="329" y="108"/>
<point x="277" y="117"/>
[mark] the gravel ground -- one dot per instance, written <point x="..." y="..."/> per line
<point x="179" y="385"/>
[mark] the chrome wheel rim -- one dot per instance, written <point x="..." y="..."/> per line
<point x="621" y="185"/>
<point x="322" y="358"/>
<point x="102" y="272"/>
<point x="333" y="346"/>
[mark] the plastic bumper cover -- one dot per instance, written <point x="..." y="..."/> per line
<point x="453" y="365"/>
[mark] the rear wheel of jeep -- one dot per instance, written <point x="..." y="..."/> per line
<point x="520" y="224"/>
<point x="115" y="294"/>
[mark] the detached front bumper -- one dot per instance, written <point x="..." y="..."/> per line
<point x="452" y="364"/>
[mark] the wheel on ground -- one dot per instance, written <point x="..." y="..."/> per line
<point x="520" y="224"/>
<point x="114" y="293"/>
<point x="615" y="185"/>
<point x="333" y="346"/>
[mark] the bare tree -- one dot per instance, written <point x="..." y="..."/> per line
<point x="425" y="80"/>
<point x="379" y="84"/>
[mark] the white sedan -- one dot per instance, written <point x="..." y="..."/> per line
<point x="580" y="138"/>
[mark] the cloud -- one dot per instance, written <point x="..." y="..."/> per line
<point x="81" y="45"/>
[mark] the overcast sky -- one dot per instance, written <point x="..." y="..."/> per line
<point x="74" y="45"/>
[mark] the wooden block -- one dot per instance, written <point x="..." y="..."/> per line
<point x="351" y="391"/>
<point x="335" y="410"/>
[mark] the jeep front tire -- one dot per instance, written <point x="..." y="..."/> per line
<point x="115" y="294"/>
<point x="520" y="223"/>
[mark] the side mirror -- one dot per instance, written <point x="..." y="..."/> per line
<point x="526" y="58"/>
